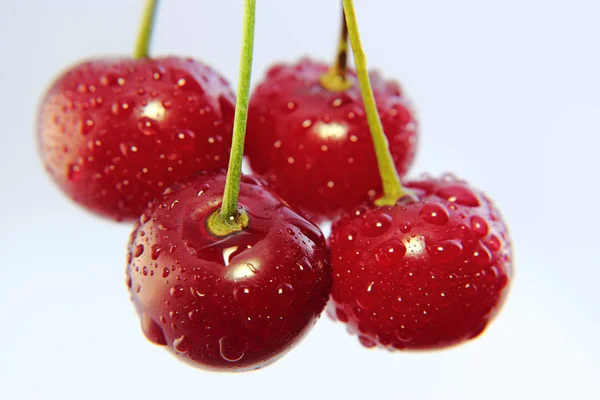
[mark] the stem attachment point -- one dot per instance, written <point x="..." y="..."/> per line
<point x="221" y="226"/>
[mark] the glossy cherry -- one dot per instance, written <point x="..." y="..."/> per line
<point x="313" y="144"/>
<point x="233" y="303"/>
<point x="425" y="273"/>
<point x="113" y="134"/>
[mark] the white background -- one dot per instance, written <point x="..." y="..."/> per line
<point x="508" y="93"/>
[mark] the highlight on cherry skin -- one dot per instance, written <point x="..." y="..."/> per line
<point x="426" y="273"/>
<point x="313" y="145"/>
<point x="114" y="133"/>
<point x="230" y="303"/>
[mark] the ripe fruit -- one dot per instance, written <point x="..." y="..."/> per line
<point x="313" y="145"/>
<point x="232" y="303"/>
<point x="113" y="134"/>
<point x="422" y="274"/>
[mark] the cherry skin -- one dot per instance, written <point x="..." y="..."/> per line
<point x="233" y="303"/>
<point x="114" y="134"/>
<point x="426" y="273"/>
<point x="314" y="146"/>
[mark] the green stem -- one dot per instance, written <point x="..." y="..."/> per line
<point x="143" y="40"/>
<point x="392" y="187"/>
<point x="230" y="218"/>
<point x="335" y="79"/>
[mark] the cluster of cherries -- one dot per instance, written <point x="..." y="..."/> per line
<point x="417" y="266"/>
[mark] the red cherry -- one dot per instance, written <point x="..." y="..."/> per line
<point x="113" y="134"/>
<point x="313" y="145"/>
<point x="422" y="274"/>
<point x="234" y="303"/>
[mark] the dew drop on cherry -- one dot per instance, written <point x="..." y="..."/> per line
<point x="481" y="255"/>
<point x="390" y="252"/>
<point x="148" y="126"/>
<point x="152" y="330"/>
<point x="231" y="349"/>
<point x="138" y="250"/>
<point x="73" y="172"/>
<point x="181" y="344"/>
<point x="341" y="315"/>
<point x="155" y="251"/>
<point x="458" y="194"/>
<point x="177" y="291"/>
<point x="365" y="341"/>
<point x="493" y="243"/>
<point x="368" y="298"/>
<point x="479" y="226"/>
<point x="285" y="295"/>
<point x="435" y="213"/>
<point x="445" y="251"/>
<point x="376" y="224"/>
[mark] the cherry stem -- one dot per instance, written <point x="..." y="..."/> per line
<point x="143" y="40"/>
<point x="230" y="219"/>
<point x="392" y="187"/>
<point x="335" y="78"/>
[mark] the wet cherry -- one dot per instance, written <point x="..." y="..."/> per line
<point x="113" y="134"/>
<point x="422" y="274"/>
<point x="313" y="144"/>
<point x="232" y="303"/>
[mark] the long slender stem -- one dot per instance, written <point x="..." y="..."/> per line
<point x="143" y="41"/>
<point x="392" y="187"/>
<point x="335" y="79"/>
<point x="234" y="172"/>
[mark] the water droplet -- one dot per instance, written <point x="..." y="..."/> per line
<point x="155" y="253"/>
<point x="481" y="255"/>
<point x="403" y="335"/>
<point x="202" y="189"/>
<point x="128" y="281"/>
<point x="73" y="172"/>
<point x="86" y="125"/>
<point x="365" y="341"/>
<point x="157" y="74"/>
<point x="122" y="108"/>
<point x="493" y="243"/>
<point x="368" y="299"/>
<point x="138" y="250"/>
<point x="165" y="272"/>
<point x="252" y="268"/>
<point x="444" y="251"/>
<point x="390" y="252"/>
<point x="177" y="291"/>
<point x="376" y="224"/>
<point x="181" y="344"/>
<point x="341" y="315"/>
<point x="410" y="276"/>
<point x="152" y="330"/>
<point x="285" y="295"/>
<point x="435" y="213"/>
<point x="405" y="227"/>
<point x="458" y="194"/>
<point x="242" y="295"/>
<point x="148" y="126"/>
<point x="479" y="226"/>
<point x="145" y="270"/>
<point x="110" y="79"/>
<point x="231" y="349"/>
<point x="186" y="140"/>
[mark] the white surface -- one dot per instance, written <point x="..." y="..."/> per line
<point x="508" y="96"/>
